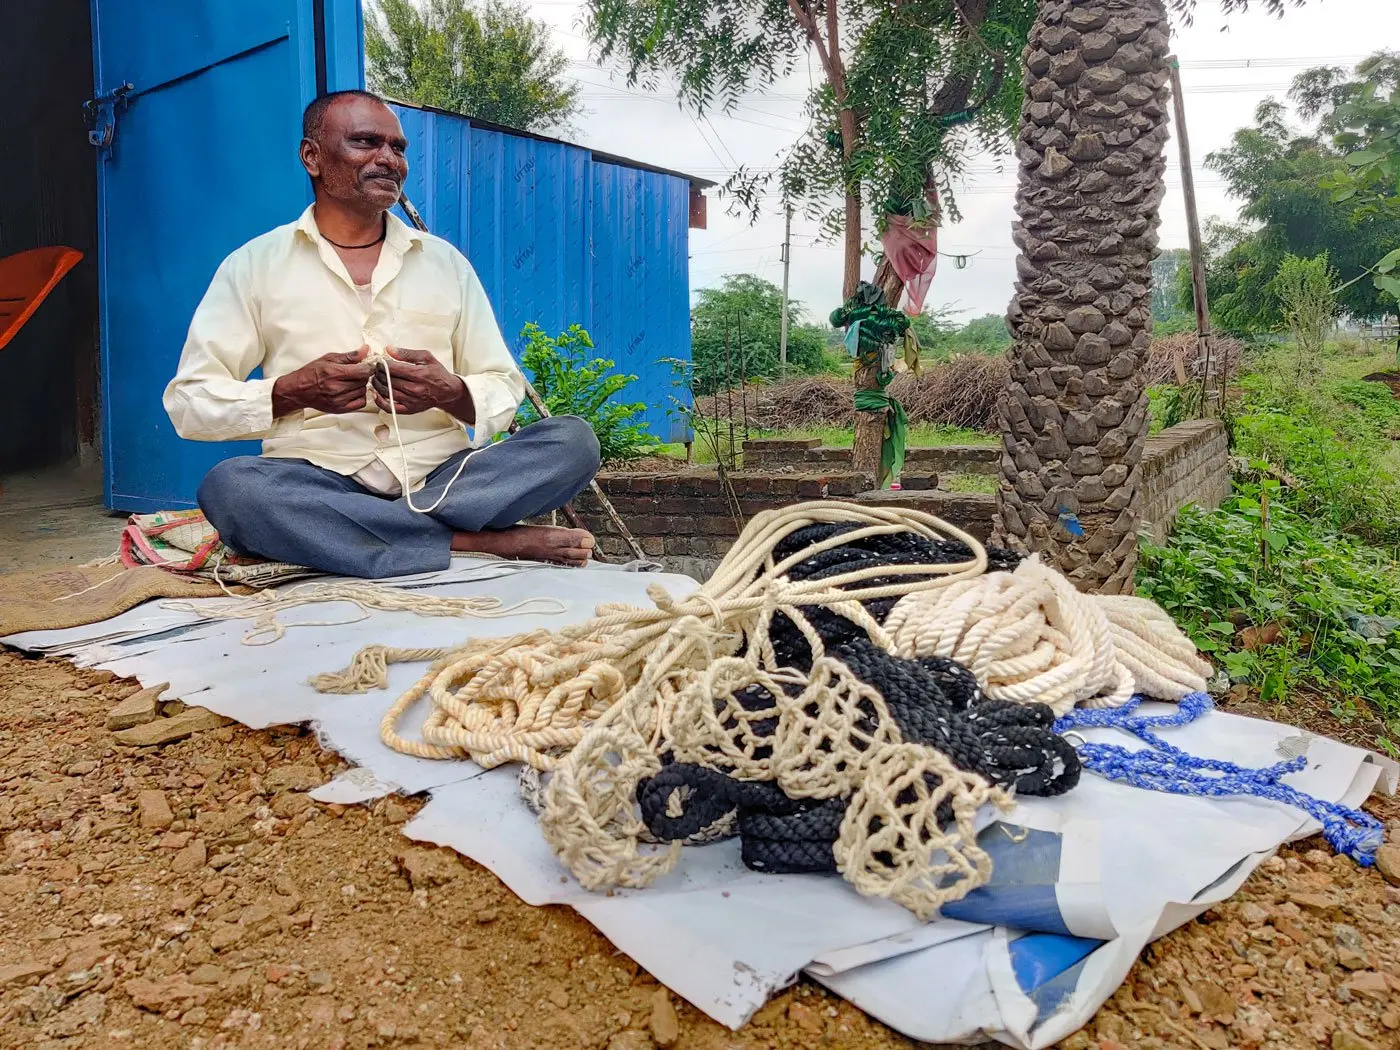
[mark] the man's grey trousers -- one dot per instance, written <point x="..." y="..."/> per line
<point x="288" y="510"/>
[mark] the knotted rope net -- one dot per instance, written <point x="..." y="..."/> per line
<point x="764" y="676"/>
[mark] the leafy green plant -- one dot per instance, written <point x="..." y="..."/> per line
<point x="1305" y="288"/>
<point x="571" y="383"/>
<point x="1281" y="601"/>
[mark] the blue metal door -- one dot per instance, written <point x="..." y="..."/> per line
<point x="196" y="124"/>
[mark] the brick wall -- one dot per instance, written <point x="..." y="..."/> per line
<point x="683" y="520"/>
<point x="1188" y="463"/>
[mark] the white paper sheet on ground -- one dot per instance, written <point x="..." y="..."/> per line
<point x="1094" y="874"/>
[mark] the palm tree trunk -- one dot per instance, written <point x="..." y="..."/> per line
<point x="1074" y="419"/>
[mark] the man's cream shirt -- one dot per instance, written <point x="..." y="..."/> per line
<point x="285" y="299"/>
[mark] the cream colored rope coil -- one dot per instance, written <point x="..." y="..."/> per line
<point x="1030" y="636"/>
<point x="518" y="699"/>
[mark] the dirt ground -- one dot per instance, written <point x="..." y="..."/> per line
<point x="193" y="896"/>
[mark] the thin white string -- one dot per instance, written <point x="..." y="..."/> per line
<point x="381" y="357"/>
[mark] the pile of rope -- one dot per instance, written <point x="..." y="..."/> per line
<point x="816" y="694"/>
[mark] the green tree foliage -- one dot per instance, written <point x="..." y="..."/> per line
<point x="488" y="60"/>
<point x="889" y="119"/>
<point x="940" y="339"/>
<point x="747" y="312"/>
<point x="1286" y="179"/>
<point x="1166" y="276"/>
<point x="572" y="383"/>
<point x="1362" y="116"/>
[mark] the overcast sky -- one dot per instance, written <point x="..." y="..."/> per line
<point x="1225" y="75"/>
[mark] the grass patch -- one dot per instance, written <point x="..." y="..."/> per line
<point x="1294" y="584"/>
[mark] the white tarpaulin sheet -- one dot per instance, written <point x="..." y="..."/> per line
<point x="1081" y="883"/>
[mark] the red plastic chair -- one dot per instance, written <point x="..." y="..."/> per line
<point x="25" y="280"/>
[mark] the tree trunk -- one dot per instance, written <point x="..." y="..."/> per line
<point x="1074" y="418"/>
<point x="870" y="426"/>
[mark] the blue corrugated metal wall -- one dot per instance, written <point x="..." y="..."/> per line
<point x="559" y="238"/>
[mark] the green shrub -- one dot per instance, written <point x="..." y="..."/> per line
<point x="572" y="384"/>
<point x="1333" y="602"/>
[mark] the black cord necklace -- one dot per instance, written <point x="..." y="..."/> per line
<point x="356" y="247"/>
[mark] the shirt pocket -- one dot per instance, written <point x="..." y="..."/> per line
<point x="429" y="330"/>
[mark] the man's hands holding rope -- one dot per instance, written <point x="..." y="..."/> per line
<point x="420" y="382"/>
<point x="341" y="383"/>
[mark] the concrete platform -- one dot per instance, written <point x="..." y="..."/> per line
<point x="55" y="517"/>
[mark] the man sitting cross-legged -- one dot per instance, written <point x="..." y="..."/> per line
<point x="305" y="303"/>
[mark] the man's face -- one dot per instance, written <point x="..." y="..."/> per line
<point x="359" y="155"/>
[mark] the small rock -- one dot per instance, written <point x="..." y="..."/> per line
<point x="1252" y="914"/>
<point x="631" y="1040"/>
<point x="1368" y="982"/>
<point x="288" y="804"/>
<point x="1318" y="902"/>
<point x="226" y="936"/>
<point x="223" y="860"/>
<point x="804" y="1017"/>
<point x="13" y="885"/>
<point x="137" y="709"/>
<point x="176" y="840"/>
<point x="300" y="777"/>
<point x="1388" y="863"/>
<point x="191" y="858"/>
<point x="105" y="920"/>
<point x="487" y="915"/>
<point x="276" y="972"/>
<point x="665" y="1025"/>
<point x="22" y="973"/>
<point x="82" y="769"/>
<point x="155" y="811"/>
<point x="319" y="980"/>
<point x="208" y="974"/>
<point x="1391" y="1019"/>
<point x="1215" y="1002"/>
<point x="395" y="813"/>
<point x="427" y="868"/>
<point x="559" y="997"/>
<point x="1351" y="947"/>
<point x="195" y="1015"/>
<point x="1344" y="1040"/>
<point x="255" y="915"/>
<point x="169" y="730"/>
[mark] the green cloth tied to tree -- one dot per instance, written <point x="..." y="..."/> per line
<point x="872" y="329"/>
<point x="896" y="430"/>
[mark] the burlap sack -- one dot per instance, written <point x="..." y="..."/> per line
<point x="30" y="601"/>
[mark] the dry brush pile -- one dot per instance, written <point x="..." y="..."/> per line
<point x="962" y="392"/>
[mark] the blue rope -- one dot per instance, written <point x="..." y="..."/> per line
<point x="1162" y="767"/>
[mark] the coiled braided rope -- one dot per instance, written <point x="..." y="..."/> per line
<point x="1031" y="637"/>
<point x="529" y="697"/>
<point x="932" y="701"/>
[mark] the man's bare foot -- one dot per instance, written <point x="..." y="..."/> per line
<point x="571" y="547"/>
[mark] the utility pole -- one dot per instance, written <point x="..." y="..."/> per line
<point x="1204" y="340"/>
<point x="787" y="266"/>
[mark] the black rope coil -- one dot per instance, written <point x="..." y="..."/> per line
<point x="933" y="701"/>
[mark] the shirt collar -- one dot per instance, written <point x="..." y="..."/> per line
<point x="397" y="233"/>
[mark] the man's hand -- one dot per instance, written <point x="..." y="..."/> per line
<point x="422" y="383"/>
<point x="334" y="384"/>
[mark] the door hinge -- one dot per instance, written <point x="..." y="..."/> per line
<point x="101" y="115"/>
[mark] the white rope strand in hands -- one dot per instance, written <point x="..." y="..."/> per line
<point x="381" y="358"/>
